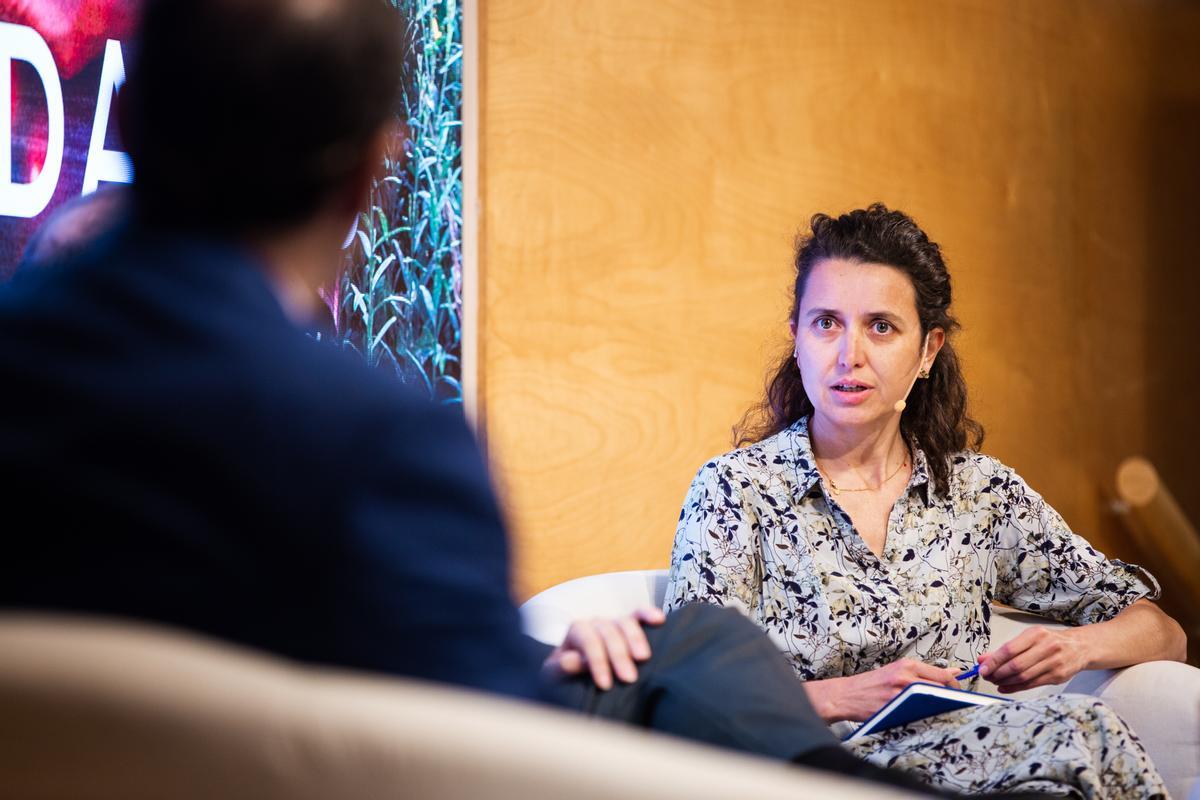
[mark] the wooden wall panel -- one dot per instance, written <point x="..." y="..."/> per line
<point x="646" y="165"/>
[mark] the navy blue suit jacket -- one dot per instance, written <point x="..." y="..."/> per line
<point x="177" y="450"/>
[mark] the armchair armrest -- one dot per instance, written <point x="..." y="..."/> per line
<point x="1161" y="702"/>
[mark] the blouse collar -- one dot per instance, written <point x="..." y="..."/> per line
<point x="807" y="474"/>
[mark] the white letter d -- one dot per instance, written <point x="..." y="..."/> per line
<point x="28" y="199"/>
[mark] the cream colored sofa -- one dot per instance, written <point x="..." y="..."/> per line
<point x="1160" y="700"/>
<point x="107" y="709"/>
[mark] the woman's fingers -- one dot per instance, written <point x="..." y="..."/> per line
<point x="1037" y="657"/>
<point x="939" y="675"/>
<point x="899" y="674"/>
<point x="1027" y="652"/>
<point x="997" y="665"/>
<point x="1035" y="666"/>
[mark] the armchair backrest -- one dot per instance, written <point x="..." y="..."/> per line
<point x="547" y="615"/>
<point x="106" y="709"/>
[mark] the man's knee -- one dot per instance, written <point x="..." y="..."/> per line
<point x="701" y="616"/>
<point x="701" y="626"/>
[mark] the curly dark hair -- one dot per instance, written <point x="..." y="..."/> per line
<point x="936" y="413"/>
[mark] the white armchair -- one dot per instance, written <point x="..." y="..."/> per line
<point x="1160" y="700"/>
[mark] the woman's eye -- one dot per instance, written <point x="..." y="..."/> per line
<point x="824" y="324"/>
<point x="882" y="327"/>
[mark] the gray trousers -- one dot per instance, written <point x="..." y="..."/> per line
<point x="713" y="677"/>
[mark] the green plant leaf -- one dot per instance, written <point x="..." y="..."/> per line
<point x="379" y="336"/>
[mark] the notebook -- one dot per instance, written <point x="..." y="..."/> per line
<point x="918" y="701"/>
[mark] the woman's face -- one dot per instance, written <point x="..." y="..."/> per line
<point x="859" y="342"/>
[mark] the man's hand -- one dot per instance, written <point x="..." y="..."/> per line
<point x="604" y="647"/>
<point x="857" y="697"/>
<point x="1038" y="656"/>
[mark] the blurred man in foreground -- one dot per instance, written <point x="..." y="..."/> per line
<point x="199" y="461"/>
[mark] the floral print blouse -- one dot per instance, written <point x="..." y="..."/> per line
<point x="760" y="531"/>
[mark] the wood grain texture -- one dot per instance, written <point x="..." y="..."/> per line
<point x="647" y="165"/>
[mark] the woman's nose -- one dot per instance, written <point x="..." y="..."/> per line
<point x="851" y="350"/>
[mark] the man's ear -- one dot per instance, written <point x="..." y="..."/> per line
<point x="389" y="139"/>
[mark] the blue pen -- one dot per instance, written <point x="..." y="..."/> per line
<point x="971" y="673"/>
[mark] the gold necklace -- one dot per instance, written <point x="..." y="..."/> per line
<point x="833" y="487"/>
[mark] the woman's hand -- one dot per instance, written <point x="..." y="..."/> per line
<point x="1037" y="657"/>
<point x="604" y="647"/>
<point x="857" y="697"/>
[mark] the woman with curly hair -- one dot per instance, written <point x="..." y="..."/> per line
<point x="861" y="528"/>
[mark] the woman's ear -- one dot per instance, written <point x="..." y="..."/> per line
<point x="935" y="339"/>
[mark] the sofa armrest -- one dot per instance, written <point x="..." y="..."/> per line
<point x="1161" y="702"/>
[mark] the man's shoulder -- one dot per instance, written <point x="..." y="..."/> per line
<point x="194" y="330"/>
<point x="322" y="379"/>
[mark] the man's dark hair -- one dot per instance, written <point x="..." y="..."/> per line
<point x="241" y="116"/>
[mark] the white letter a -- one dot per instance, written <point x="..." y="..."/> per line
<point x="106" y="165"/>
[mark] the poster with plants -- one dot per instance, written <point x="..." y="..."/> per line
<point x="399" y="300"/>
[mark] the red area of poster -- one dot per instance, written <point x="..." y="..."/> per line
<point x="82" y="67"/>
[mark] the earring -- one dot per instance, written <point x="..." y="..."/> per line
<point x="923" y="373"/>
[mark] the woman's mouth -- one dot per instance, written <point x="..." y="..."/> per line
<point x="850" y="392"/>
